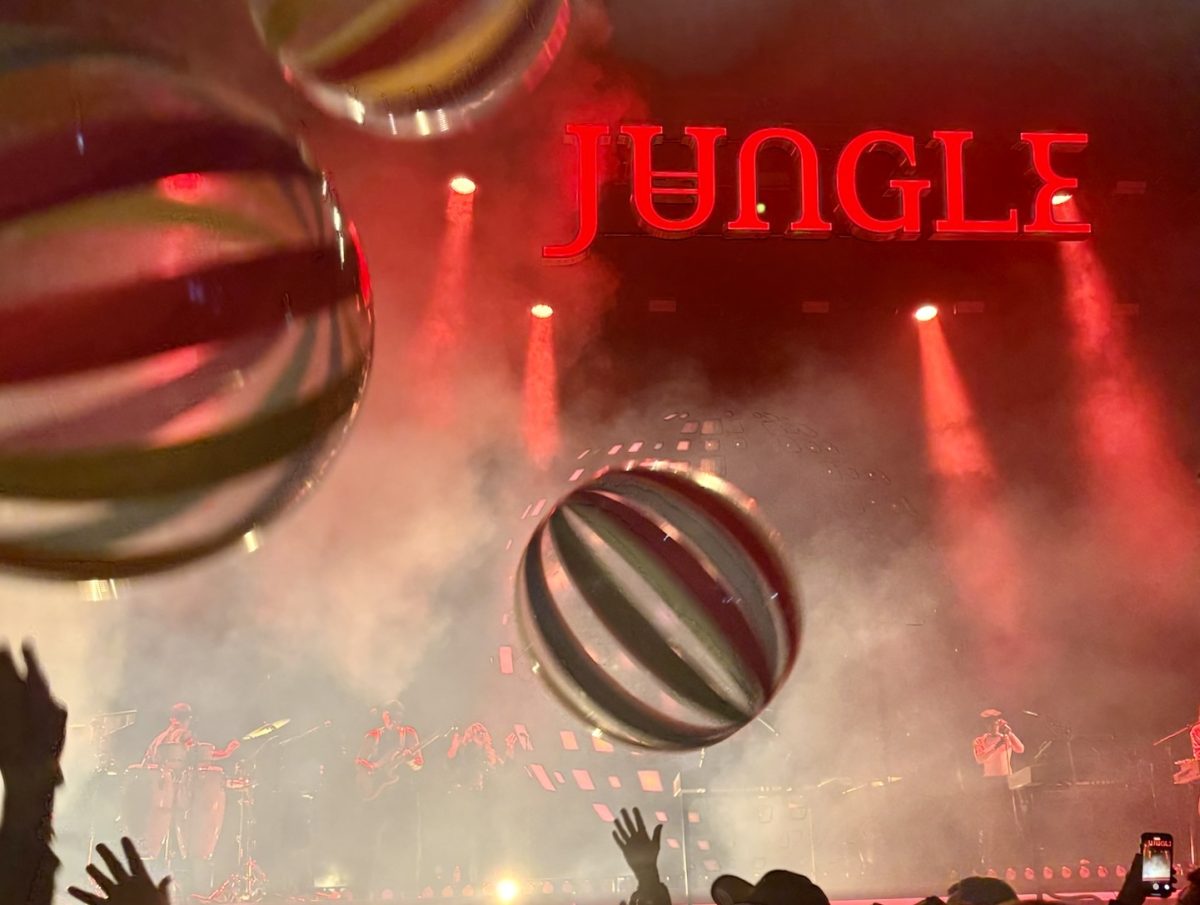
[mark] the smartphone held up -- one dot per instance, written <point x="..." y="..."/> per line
<point x="1158" y="859"/>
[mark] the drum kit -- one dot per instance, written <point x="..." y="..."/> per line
<point x="175" y="810"/>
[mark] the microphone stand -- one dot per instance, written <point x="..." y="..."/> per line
<point x="1176" y="733"/>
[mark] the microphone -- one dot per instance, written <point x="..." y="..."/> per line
<point x="307" y="732"/>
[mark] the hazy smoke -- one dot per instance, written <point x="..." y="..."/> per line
<point x="395" y="577"/>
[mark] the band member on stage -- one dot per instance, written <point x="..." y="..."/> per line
<point x="996" y="808"/>
<point x="169" y="747"/>
<point x="470" y="761"/>
<point x="1195" y="736"/>
<point x="390" y="816"/>
<point x="476" y="755"/>
<point x="995" y="748"/>
<point x="513" y="841"/>
<point x="171" y="755"/>
<point x="389" y="746"/>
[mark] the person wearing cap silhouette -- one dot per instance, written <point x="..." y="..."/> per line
<point x="775" y="887"/>
<point x="640" y="848"/>
<point x="982" y="891"/>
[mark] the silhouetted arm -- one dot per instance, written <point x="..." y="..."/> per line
<point x="27" y="863"/>
<point x="32" y="731"/>
<point x="640" y="849"/>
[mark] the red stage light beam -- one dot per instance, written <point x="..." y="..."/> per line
<point x="539" y="410"/>
<point x="977" y="535"/>
<point x="1137" y="480"/>
<point x="437" y="345"/>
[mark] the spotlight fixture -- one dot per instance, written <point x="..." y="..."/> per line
<point x="541" y="311"/>
<point x="926" y="312"/>
<point x="1060" y="198"/>
<point x="506" y="890"/>
<point x="760" y="208"/>
<point x="462" y="185"/>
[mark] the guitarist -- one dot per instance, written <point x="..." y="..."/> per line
<point x="390" y="811"/>
<point x="387" y="753"/>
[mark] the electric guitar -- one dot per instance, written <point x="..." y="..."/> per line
<point x="374" y="781"/>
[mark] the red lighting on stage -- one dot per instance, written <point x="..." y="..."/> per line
<point x="983" y="556"/>
<point x="926" y="313"/>
<point x="437" y="345"/>
<point x="899" y="218"/>
<point x="462" y="185"/>
<point x="1138" y="484"/>
<point x="539" y="410"/>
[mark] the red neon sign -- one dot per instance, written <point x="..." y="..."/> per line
<point x="860" y="217"/>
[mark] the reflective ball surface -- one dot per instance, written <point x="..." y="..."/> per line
<point x="185" y="317"/>
<point x="657" y="606"/>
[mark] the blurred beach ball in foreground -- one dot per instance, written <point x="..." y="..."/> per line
<point x="657" y="607"/>
<point x="185" y="320"/>
<point x="413" y="68"/>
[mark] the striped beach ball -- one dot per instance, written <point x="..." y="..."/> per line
<point x="412" y="68"/>
<point x="185" y="320"/>
<point x="656" y="606"/>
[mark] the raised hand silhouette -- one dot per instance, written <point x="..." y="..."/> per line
<point x="121" y="886"/>
<point x="639" y="847"/>
<point x="32" y="726"/>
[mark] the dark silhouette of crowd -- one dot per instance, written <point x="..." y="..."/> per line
<point x="32" y="733"/>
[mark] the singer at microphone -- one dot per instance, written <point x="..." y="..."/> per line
<point x="999" y="837"/>
<point x="995" y="747"/>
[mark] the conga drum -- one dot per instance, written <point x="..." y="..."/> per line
<point x="147" y="799"/>
<point x="205" y="812"/>
<point x="172" y="756"/>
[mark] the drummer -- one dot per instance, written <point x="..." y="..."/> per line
<point x="170" y="747"/>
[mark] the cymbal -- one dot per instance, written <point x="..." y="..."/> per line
<point x="107" y="723"/>
<point x="264" y="730"/>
